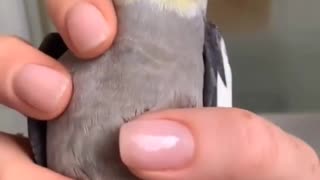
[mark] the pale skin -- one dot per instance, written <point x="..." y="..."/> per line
<point x="219" y="143"/>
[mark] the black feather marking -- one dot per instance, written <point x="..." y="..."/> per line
<point x="213" y="50"/>
<point x="213" y="64"/>
<point x="53" y="46"/>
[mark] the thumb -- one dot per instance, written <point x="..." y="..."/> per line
<point x="213" y="144"/>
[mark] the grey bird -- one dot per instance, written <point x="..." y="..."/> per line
<point x="166" y="55"/>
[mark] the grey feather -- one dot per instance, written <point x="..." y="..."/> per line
<point x="151" y="66"/>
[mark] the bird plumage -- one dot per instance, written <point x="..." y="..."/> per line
<point x="155" y="63"/>
<point x="185" y="8"/>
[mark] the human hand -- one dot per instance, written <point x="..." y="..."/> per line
<point x="16" y="162"/>
<point x="191" y="144"/>
<point x="243" y="146"/>
<point x="28" y="77"/>
<point x="214" y="143"/>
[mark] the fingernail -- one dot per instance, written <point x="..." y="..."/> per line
<point x="155" y="145"/>
<point x="87" y="26"/>
<point x="40" y="87"/>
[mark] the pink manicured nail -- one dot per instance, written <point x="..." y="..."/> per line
<point x="87" y="26"/>
<point x="155" y="145"/>
<point x="40" y="86"/>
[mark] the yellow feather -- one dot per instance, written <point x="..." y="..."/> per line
<point x="185" y="8"/>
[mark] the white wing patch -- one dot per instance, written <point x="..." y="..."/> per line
<point x="224" y="92"/>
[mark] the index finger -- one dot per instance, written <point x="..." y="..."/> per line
<point x="32" y="82"/>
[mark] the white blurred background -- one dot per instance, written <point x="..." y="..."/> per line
<point x="274" y="54"/>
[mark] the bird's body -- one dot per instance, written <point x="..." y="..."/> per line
<point x="151" y="66"/>
<point x="165" y="56"/>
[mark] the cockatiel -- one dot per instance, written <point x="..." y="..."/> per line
<point x="165" y="55"/>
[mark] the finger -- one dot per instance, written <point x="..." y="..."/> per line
<point x="87" y="26"/>
<point x="214" y="144"/>
<point x="16" y="164"/>
<point x="32" y="82"/>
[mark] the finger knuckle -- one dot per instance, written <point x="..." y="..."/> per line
<point x="258" y="145"/>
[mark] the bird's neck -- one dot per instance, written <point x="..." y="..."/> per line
<point x="186" y="8"/>
<point x="143" y="21"/>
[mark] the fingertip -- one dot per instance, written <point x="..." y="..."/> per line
<point x="42" y="88"/>
<point x="169" y="146"/>
<point x="39" y="91"/>
<point x="87" y="26"/>
<point x="31" y="82"/>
